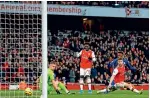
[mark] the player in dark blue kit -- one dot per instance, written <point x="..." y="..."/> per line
<point x="114" y="63"/>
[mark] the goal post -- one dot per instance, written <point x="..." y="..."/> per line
<point x="23" y="48"/>
<point x="44" y="49"/>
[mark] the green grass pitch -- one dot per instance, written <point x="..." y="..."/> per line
<point x="36" y="94"/>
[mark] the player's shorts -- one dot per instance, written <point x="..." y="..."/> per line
<point x="119" y="84"/>
<point x="85" y="72"/>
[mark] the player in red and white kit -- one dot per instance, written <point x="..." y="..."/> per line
<point x="119" y="76"/>
<point x="87" y="57"/>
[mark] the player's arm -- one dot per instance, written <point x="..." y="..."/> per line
<point x="79" y="54"/>
<point x="129" y="65"/>
<point x="55" y="86"/>
<point x="38" y="80"/>
<point x="54" y="83"/>
<point x="110" y="65"/>
<point x="93" y="57"/>
<point x="115" y="72"/>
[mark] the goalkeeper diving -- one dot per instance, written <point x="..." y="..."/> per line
<point x="52" y="83"/>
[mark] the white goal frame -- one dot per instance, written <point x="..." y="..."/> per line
<point x="44" y="48"/>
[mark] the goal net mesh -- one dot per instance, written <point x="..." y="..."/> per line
<point x="20" y="48"/>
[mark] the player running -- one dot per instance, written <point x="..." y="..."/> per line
<point x="87" y="56"/>
<point x="118" y="76"/>
<point x="52" y="83"/>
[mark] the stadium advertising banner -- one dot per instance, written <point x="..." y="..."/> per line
<point x="76" y="10"/>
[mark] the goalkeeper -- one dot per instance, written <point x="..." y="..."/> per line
<point x="52" y="84"/>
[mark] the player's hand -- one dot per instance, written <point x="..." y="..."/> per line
<point x="58" y="92"/>
<point x="90" y="58"/>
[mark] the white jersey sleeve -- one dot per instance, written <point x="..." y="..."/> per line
<point x="93" y="57"/>
<point x="79" y="54"/>
<point x="115" y="72"/>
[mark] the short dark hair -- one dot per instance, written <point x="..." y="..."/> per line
<point x="53" y="62"/>
<point x="120" y="52"/>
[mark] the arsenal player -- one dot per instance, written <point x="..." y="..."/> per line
<point x="114" y="63"/>
<point x="87" y="57"/>
<point x="118" y="76"/>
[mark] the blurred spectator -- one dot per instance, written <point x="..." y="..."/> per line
<point x="135" y="80"/>
<point x="93" y="72"/>
<point x="66" y="43"/>
<point x="72" y="75"/>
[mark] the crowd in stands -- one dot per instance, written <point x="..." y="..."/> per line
<point x="21" y="57"/>
<point x="130" y="4"/>
<point x="20" y="49"/>
<point x="133" y="43"/>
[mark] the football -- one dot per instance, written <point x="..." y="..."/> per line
<point x="28" y="91"/>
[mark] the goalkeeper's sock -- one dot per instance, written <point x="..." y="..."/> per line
<point x="62" y="86"/>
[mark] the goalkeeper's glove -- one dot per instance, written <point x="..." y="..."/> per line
<point x="58" y="92"/>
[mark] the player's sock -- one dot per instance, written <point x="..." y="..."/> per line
<point x="89" y="83"/>
<point x="81" y="83"/>
<point x="103" y="91"/>
<point x="81" y="86"/>
<point x="136" y="91"/>
<point x="89" y="86"/>
<point x="62" y="86"/>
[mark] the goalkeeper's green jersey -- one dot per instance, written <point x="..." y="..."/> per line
<point x="50" y="77"/>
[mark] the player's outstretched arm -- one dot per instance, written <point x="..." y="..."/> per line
<point x="55" y="86"/>
<point x="129" y="65"/>
<point x="111" y="80"/>
<point x="115" y="72"/>
<point x="79" y="54"/>
<point x="112" y="63"/>
<point x="93" y="57"/>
